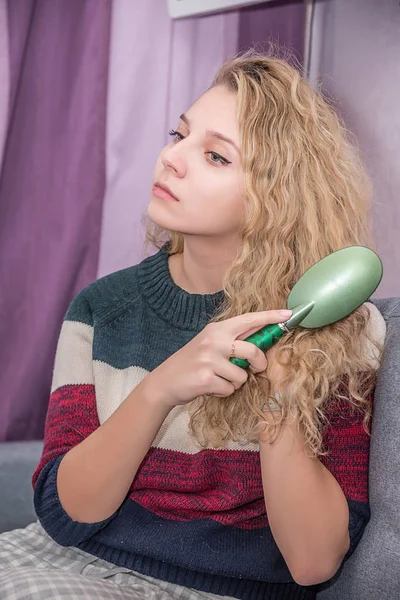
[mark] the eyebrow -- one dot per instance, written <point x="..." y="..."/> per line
<point x="213" y="134"/>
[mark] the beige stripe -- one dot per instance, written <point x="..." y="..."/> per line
<point x="73" y="361"/>
<point x="74" y="365"/>
<point x="174" y="435"/>
<point x="114" y="385"/>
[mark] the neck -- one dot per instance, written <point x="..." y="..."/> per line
<point x="202" y="266"/>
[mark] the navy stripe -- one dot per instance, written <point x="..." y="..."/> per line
<point x="80" y="310"/>
<point x="189" y="553"/>
<point x="139" y="339"/>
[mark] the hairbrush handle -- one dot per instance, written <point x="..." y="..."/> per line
<point x="268" y="336"/>
<point x="263" y="338"/>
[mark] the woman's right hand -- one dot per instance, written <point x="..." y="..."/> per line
<point x="202" y="366"/>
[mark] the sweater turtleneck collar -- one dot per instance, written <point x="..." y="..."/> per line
<point x="173" y="304"/>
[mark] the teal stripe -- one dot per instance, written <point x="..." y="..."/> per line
<point x="80" y="310"/>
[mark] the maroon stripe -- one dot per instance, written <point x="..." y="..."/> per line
<point x="71" y="417"/>
<point x="347" y="444"/>
<point x="224" y="485"/>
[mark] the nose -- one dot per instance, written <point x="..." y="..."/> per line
<point x="173" y="161"/>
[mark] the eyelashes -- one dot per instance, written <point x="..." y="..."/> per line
<point x="215" y="158"/>
<point x="176" y="134"/>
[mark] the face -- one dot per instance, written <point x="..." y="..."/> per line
<point x="201" y="169"/>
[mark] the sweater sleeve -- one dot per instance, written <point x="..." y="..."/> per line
<point x="347" y="442"/>
<point x="71" y="417"/>
<point x="347" y="454"/>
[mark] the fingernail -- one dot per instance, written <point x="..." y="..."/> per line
<point x="285" y="313"/>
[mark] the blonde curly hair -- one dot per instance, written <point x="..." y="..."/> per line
<point x="306" y="195"/>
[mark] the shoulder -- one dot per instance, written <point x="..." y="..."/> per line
<point x="374" y="335"/>
<point x="105" y="299"/>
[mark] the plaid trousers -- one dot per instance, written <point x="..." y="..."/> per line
<point x="34" y="567"/>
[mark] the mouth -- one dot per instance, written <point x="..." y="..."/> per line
<point x="163" y="191"/>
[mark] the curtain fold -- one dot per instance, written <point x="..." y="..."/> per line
<point x="83" y="117"/>
<point x="4" y="76"/>
<point x="282" y="22"/>
<point x="158" y="67"/>
<point x="364" y="80"/>
<point x="51" y="190"/>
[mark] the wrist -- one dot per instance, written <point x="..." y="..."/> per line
<point x="154" y="395"/>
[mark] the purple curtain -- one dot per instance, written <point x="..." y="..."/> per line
<point x="280" y="21"/>
<point x="51" y="191"/>
<point x="52" y="179"/>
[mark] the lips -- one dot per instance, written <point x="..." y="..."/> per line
<point x="161" y="190"/>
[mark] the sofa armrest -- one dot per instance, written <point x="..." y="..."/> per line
<point x="18" y="460"/>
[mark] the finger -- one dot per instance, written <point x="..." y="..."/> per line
<point x="245" y="335"/>
<point x="232" y="373"/>
<point x="254" y="355"/>
<point x="242" y="324"/>
<point x="223" y="387"/>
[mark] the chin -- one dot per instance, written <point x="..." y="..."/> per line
<point x="165" y="220"/>
<point x="154" y="214"/>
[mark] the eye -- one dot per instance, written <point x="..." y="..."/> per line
<point x="177" y="137"/>
<point x="217" y="158"/>
<point x="214" y="157"/>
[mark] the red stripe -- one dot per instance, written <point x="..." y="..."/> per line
<point x="347" y="444"/>
<point x="223" y="485"/>
<point x="226" y="485"/>
<point x="71" y="417"/>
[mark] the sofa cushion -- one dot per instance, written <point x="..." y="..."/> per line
<point x="373" y="571"/>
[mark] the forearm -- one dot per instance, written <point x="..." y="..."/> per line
<point x="95" y="476"/>
<point x="307" y="510"/>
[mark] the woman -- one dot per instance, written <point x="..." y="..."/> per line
<point x="168" y="471"/>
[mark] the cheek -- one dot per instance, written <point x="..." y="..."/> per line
<point x="222" y="205"/>
<point x="217" y="190"/>
<point x="230" y="197"/>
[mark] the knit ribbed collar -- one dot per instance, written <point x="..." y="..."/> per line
<point x="173" y="304"/>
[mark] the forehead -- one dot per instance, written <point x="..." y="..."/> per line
<point x="216" y="110"/>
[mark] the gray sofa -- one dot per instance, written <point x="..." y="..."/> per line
<point x="18" y="460"/>
<point x="373" y="572"/>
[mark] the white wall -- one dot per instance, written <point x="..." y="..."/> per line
<point x="356" y="51"/>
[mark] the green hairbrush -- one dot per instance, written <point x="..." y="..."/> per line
<point x="328" y="291"/>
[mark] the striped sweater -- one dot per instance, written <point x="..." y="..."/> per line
<point x="194" y="516"/>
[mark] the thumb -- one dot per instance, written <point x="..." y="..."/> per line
<point x="244" y="325"/>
